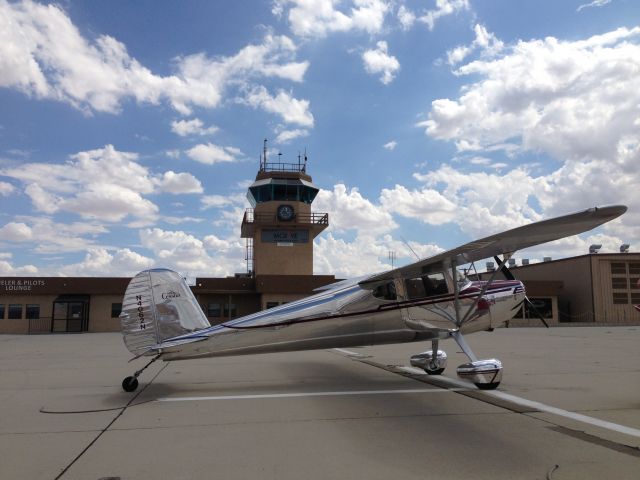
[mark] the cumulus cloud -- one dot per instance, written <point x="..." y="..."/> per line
<point x="6" y="189"/>
<point x="209" y="154"/>
<point x="378" y="61"/>
<point x="318" y="18"/>
<point x="215" y="201"/>
<point x="44" y="55"/>
<point x="103" y="184"/>
<point x="195" y="126"/>
<point x="427" y="204"/>
<point x="485" y="41"/>
<point x="51" y="237"/>
<point x="191" y="256"/>
<point x="443" y="8"/>
<point x="349" y="210"/>
<point x="365" y="255"/>
<point x="570" y="99"/>
<point x="286" y="136"/>
<point x="8" y="270"/>
<point x="178" y="183"/>
<point x="577" y="102"/>
<point x="406" y="17"/>
<point x="16" y="232"/>
<point x="102" y="262"/>
<point x="290" y="109"/>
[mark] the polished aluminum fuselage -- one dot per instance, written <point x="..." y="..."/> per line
<point x="350" y="316"/>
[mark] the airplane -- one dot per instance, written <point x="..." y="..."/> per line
<point x="426" y="301"/>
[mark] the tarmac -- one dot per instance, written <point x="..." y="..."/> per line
<point x="568" y="408"/>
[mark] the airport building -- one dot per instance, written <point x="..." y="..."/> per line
<point x="279" y="229"/>
<point x="596" y="288"/>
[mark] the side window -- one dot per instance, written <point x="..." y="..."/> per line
<point x="435" y="284"/>
<point x="426" y="286"/>
<point x="386" y="291"/>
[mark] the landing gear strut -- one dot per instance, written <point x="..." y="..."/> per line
<point x="129" y="384"/>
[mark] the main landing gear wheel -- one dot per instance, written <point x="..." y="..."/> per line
<point x="427" y="362"/>
<point x="129" y="384"/>
<point x="437" y="371"/>
<point x="485" y="374"/>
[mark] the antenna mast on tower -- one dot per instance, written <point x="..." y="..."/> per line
<point x="263" y="162"/>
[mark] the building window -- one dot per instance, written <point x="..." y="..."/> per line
<point x="1" y="311"/>
<point x="116" y="310"/>
<point x="634" y="269"/>
<point x="213" y="310"/>
<point x="635" y="298"/>
<point x="542" y="306"/>
<point x="230" y="310"/>
<point x="272" y="304"/>
<point x="634" y="283"/>
<point x="15" y="312"/>
<point x="618" y="268"/>
<point x="33" y="311"/>
<point x="619" y="283"/>
<point x="620" y="298"/>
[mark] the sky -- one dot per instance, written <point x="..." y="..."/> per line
<point x="130" y="131"/>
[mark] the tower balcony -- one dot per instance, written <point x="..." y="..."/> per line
<point x="314" y="221"/>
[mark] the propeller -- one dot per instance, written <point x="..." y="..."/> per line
<point x="509" y="276"/>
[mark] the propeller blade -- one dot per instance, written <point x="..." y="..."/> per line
<point x="536" y="311"/>
<point x="505" y="271"/>
<point x="509" y="276"/>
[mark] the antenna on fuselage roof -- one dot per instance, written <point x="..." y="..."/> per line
<point x="409" y="246"/>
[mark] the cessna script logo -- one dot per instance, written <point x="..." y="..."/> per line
<point x="170" y="294"/>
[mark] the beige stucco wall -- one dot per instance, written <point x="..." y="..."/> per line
<point x="100" y="313"/>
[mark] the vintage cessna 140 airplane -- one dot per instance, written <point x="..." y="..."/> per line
<point x="428" y="300"/>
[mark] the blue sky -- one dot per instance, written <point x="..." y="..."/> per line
<point x="129" y="131"/>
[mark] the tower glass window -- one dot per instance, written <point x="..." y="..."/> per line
<point x="276" y="189"/>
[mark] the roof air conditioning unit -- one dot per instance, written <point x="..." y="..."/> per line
<point x="490" y="267"/>
<point x="525" y="261"/>
<point x="546" y="259"/>
<point x="624" y="248"/>
<point x="595" y="248"/>
<point x="512" y="262"/>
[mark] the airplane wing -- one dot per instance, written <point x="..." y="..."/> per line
<point x="505" y="242"/>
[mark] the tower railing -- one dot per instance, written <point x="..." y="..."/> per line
<point x="283" y="167"/>
<point x="314" y="218"/>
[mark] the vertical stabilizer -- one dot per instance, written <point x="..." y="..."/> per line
<point x="158" y="305"/>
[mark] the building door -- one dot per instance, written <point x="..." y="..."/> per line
<point x="70" y="315"/>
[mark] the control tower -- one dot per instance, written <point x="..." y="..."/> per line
<point x="280" y="226"/>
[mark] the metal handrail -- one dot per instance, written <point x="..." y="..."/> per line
<point x="283" y="167"/>
<point x="306" y="218"/>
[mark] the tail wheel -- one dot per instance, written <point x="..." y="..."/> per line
<point x="129" y="384"/>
